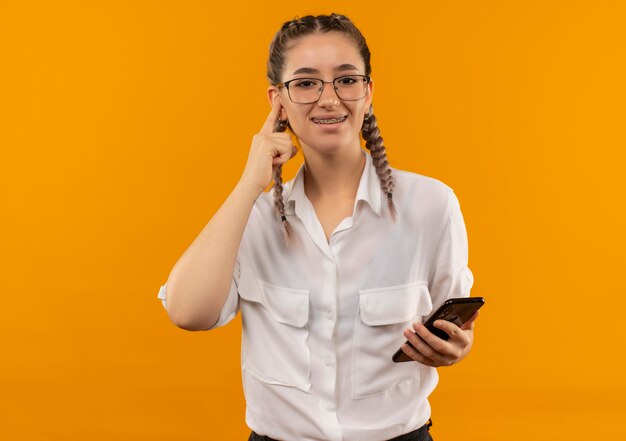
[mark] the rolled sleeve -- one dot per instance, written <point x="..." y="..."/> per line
<point x="162" y="295"/>
<point x="451" y="276"/>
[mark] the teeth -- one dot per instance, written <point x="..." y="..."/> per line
<point x="329" y="121"/>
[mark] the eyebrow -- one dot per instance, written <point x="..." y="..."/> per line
<point x="310" y="70"/>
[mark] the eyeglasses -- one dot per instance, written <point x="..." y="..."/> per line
<point x="309" y="90"/>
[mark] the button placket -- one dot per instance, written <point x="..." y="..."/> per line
<point x="327" y="353"/>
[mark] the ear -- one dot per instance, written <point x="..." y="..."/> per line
<point x="370" y="95"/>
<point x="273" y="91"/>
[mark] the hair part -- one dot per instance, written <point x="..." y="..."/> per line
<point x="290" y="32"/>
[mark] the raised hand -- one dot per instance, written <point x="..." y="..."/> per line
<point x="269" y="149"/>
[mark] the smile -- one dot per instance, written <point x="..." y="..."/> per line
<point x="329" y="121"/>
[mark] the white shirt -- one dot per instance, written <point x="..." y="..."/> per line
<point x="321" y="320"/>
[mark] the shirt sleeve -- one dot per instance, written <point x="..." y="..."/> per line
<point x="451" y="277"/>
<point x="231" y="305"/>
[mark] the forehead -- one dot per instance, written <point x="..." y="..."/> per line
<point x="325" y="53"/>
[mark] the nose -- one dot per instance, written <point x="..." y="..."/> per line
<point x="329" y="96"/>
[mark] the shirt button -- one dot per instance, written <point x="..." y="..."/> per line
<point x="329" y="315"/>
<point x="327" y="362"/>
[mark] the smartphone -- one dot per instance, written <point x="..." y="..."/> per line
<point x="455" y="310"/>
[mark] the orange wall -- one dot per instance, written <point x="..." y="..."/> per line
<point x="125" y="124"/>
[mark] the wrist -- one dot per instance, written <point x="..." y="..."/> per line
<point x="248" y="188"/>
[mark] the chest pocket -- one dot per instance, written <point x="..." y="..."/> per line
<point x="274" y="346"/>
<point x="383" y="315"/>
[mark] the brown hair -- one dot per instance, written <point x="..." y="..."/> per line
<point x="291" y="31"/>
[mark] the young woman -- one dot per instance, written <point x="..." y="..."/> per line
<point x="334" y="270"/>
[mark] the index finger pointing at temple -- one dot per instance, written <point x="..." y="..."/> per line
<point x="268" y="126"/>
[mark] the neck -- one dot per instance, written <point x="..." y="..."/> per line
<point x="336" y="176"/>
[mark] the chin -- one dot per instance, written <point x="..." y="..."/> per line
<point x="329" y="143"/>
<point x="326" y="146"/>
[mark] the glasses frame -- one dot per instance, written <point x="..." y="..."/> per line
<point x="285" y="84"/>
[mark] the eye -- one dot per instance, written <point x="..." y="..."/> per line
<point x="305" y="83"/>
<point x="347" y="80"/>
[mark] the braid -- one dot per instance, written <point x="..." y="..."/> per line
<point x="298" y="24"/>
<point x="279" y="205"/>
<point x="374" y="143"/>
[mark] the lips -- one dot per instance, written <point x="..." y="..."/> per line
<point x="329" y="116"/>
<point x="330" y="119"/>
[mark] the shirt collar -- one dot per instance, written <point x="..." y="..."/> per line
<point x="369" y="190"/>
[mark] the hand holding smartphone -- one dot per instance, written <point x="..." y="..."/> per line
<point x="455" y="310"/>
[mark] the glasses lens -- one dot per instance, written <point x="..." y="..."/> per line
<point x="308" y="90"/>
<point x="305" y="90"/>
<point x="351" y="87"/>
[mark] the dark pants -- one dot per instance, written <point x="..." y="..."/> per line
<point x="421" y="434"/>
